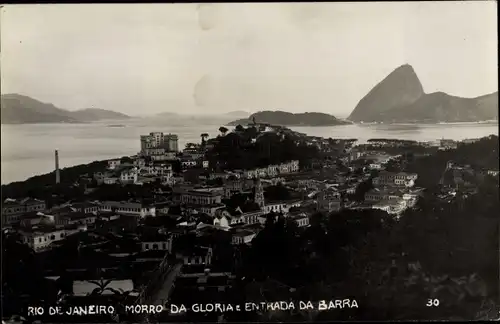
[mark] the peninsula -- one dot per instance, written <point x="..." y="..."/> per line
<point x="283" y="118"/>
<point x="20" y="109"/>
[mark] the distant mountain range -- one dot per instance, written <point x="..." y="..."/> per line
<point x="400" y="97"/>
<point x="283" y="118"/>
<point x="19" y="109"/>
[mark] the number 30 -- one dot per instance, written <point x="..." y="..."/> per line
<point x="432" y="302"/>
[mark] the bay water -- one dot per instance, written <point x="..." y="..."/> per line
<point x="28" y="149"/>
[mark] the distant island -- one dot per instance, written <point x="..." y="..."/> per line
<point x="19" y="109"/>
<point x="283" y="118"/>
<point x="400" y="98"/>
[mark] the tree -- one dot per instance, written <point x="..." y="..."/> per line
<point x="126" y="159"/>
<point x="277" y="192"/>
<point x="223" y="130"/>
<point x="239" y="128"/>
<point x="203" y="138"/>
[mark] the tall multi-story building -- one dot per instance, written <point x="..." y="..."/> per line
<point x="172" y="142"/>
<point x="158" y="140"/>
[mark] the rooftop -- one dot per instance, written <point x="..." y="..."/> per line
<point x="83" y="205"/>
<point x="31" y="201"/>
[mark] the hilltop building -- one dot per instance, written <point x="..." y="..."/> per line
<point x="159" y="141"/>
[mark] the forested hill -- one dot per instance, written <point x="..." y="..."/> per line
<point x="482" y="154"/>
<point x="283" y="118"/>
<point x="19" y="109"/>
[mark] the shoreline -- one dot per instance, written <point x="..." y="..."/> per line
<point x="346" y="123"/>
<point x="114" y="158"/>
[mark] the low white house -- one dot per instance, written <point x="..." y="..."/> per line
<point x="301" y="219"/>
<point x="129" y="175"/>
<point x="160" y="170"/>
<point x="110" y="180"/>
<point x="40" y="238"/>
<point x="127" y="208"/>
<point x="163" y="245"/>
<point x="242" y="237"/>
<point x="113" y="164"/>
<point x="280" y="206"/>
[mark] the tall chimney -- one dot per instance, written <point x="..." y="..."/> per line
<point x="58" y="176"/>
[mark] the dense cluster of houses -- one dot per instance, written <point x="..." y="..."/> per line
<point x="201" y="209"/>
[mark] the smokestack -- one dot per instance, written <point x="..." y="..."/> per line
<point x="58" y="176"/>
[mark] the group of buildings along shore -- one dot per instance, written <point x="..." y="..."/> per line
<point x="195" y="205"/>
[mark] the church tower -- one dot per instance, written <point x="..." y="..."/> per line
<point x="259" y="193"/>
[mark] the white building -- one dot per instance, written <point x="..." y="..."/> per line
<point x="162" y="244"/>
<point x="40" y="238"/>
<point x="188" y="164"/>
<point x="127" y="208"/>
<point x="273" y="170"/>
<point x="12" y="209"/>
<point x="129" y="175"/>
<point x="110" y="180"/>
<point x="280" y="206"/>
<point x="113" y="164"/>
<point x="201" y="197"/>
<point x="301" y="219"/>
<point x="224" y="219"/>
<point x="243" y="237"/>
<point x="196" y="255"/>
<point x="158" y="170"/>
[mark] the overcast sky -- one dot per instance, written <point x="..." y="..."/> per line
<point x="150" y="58"/>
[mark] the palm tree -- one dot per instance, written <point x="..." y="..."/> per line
<point x="223" y="130"/>
<point x="102" y="286"/>
<point x="203" y="137"/>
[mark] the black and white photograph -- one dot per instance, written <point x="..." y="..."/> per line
<point x="249" y="162"/>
